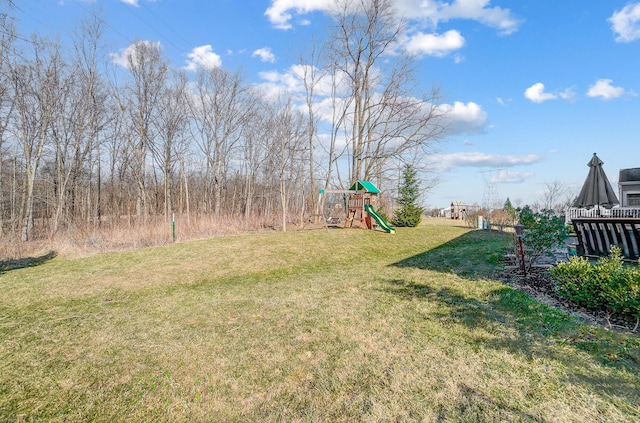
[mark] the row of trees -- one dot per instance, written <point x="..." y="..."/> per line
<point x="84" y="142"/>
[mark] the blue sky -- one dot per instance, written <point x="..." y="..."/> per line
<point x="534" y="87"/>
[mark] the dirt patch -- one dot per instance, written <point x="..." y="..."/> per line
<point x="539" y="284"/>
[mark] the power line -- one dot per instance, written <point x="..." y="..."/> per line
<point x="18" y="37"/>
<point x="141" y="19"/>
<point x="157" y="17"/>
<point x="116" y="31"/>
<point x="150" y="10"/>
<point x="102" y="21"/>
<point x="161" y="33"/>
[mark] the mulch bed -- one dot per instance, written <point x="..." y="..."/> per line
<point x="539" y="284"/>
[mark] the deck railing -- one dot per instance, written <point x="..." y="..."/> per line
<point x="574" y="213"/>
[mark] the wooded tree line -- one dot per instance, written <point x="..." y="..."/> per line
<point x="84" y="142"/>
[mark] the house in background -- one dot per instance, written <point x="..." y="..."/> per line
<point x="629" y="187"/>
<point x="458" y="210"/>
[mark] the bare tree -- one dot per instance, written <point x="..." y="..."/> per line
<point x="149" y="72"/>
<point x="70" y="124"/>
<point x="555" y="196"/>
<point x="287" y="152"/>
<point x="7" y="38"/>
<point x="220" y="106"/>
<point x="116" y="142"/>
<point x="339" y="108"/>
<point x="171" y="123"/>
<point x="76" y="128"/>
<point x="312" y="75"/>
<point x="67" y="135"/>
<point x="385" y="118"/>
<point x="37" y="87"/>
<point x="254" y="151"/>
<point x="95" y="99"/>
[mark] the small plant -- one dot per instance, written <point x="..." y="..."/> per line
<point x="542" y="233"/>
<point x="608" y="285"/>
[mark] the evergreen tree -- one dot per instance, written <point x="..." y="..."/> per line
<point x="509" y="209"/>
<point x="409" y="213"/>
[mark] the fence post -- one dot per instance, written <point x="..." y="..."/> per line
<point x="173" y="226"/>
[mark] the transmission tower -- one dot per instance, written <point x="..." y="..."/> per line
<point x="490" y="198"/>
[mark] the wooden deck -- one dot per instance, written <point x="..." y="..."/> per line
<point x="596" y="235"/>
<point x="576" y="213"/>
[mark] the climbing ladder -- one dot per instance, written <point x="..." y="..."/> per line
<point x="356" y="216"/>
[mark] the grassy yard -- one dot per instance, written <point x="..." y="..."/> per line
<point x="337" y="325"/>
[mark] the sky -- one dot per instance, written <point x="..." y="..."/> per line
<point x="534" y="88"/>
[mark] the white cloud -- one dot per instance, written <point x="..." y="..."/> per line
<point x="536" y="93"/>
<point x="509" y="177"/>
<point x="626" y="23"/>
<point x="462" y="118"/>
<point x="291" y="81"/>
<point x="279" y="13"/>
<point x="276" y="84"/>
<point x="568" y="94"/>
<point x="477" y="10"/>
<point x="122" y="58"/>
<point x="434" y="44"/>
<point x="478" y="159"/>
<point x="135" y="3"/>
<point x="603" y="88"/>
<point x="203" y="57"/>
<point x="429" y="12"/>
<point x="459" y="117"/>
<point x="265" y="55"/>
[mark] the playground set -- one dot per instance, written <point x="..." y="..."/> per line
<point x="361" y="205"/>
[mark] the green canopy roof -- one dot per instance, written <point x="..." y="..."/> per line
<point x="364" y="186"/>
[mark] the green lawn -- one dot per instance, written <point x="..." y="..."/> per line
<point x="337" y="325"/>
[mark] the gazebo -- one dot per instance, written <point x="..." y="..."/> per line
<point x="597" y="233"/>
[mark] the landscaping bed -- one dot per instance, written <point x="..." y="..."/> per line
<point x="539" y="284"/>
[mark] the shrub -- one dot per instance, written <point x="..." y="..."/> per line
<point x="527" y="217"/>
<point x="577" y="282"/>
<point x="543" y="232"/>
<point x="607" y="285"/>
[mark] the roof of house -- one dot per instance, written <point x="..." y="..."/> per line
<point x="364" y="186"/>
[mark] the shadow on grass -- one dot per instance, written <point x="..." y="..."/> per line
<point x="512" y="321"/>
<point x="524" y="326"/>
<point x="472" y="405"/>
<point x="474" y="254"/>
<point x="6" y="265"/>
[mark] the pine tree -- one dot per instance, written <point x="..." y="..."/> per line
<point x="409" y="213"/>
<point x="509" y="209"/>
